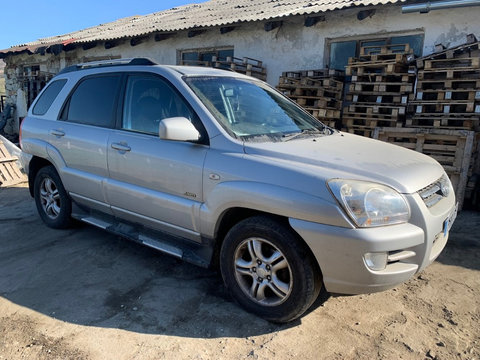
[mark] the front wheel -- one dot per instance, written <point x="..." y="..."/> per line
<point x="53" y="203"/>
<point x="268" y="270"/>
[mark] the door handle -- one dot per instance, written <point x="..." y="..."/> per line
<point x="57" y="133"/>
<point x="121" y="147"/>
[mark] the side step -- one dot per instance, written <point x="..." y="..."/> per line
<point x="199" y="254"/>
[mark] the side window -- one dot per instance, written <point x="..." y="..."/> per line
<point x="93" y="101"/>
<point x="148" y="100"/>
<point x="48" y="96"/>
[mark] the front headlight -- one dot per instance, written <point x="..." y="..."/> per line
<point x="370" y="204"/>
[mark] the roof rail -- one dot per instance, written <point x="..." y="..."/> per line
<point x="116" y="62"/>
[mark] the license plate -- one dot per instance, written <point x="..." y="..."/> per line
<point x="447" y="225"/>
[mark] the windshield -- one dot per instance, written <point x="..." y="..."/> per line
<point x="250" y="109"/>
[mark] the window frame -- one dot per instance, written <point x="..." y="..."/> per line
<point x="370" y="37"/>
<point x="62" y="116"/>
<point x="204" y="139"/>
<point x="215" y="49"/>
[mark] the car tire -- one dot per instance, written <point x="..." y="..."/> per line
<point x="53" y="203"/>
<point x="268" y="270"/>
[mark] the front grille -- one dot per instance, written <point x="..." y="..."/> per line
<point x="433" y="193"/>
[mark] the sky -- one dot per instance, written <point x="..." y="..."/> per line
<point x="23" y="21"/>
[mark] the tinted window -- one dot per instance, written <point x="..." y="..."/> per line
<point x="48" y="96"/>
<point x="93" y="101"/>
<point x="148" y="100"/>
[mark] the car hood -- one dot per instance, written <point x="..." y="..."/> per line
<point x="343" y="155"/>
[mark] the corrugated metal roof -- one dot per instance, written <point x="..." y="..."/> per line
<point x="204" y="15"/>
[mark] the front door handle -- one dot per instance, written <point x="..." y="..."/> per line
<point x="121" y="147"/>
<point x="58" y="133"/>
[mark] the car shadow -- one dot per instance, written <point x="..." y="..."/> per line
<point x="89" y="277"/>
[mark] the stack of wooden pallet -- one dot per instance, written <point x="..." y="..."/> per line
<point x="318" y="91"/>
<point x="381" y="86"/>
<point x="443" y="119"/>
<point x="448" y="89"/>
<point x="246" y="65"/>
<point x="453" y="149"/>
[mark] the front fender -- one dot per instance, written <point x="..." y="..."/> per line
<point x="267" y="198"/>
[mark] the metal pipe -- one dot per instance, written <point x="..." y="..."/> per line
<point x="438" y="5"/>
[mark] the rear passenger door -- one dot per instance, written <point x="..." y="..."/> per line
<point x="81" y="136"/>
<point x="155" y="182"/>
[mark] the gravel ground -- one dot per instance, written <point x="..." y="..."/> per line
<point x="85" y="294"/>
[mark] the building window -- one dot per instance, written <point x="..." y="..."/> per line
<point x="340" y="51"/>
<point x="204" y="57"/>
<point x="34" y="81"/>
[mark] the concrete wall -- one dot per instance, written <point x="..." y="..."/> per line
<point x="290" y="47"/>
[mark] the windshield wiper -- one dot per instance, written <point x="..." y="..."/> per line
<point x="294" y="135"/>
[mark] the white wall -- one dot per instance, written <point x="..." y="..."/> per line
<point x="290" y="47"/>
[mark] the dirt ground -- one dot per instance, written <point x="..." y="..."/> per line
<point x="85" y="294"/>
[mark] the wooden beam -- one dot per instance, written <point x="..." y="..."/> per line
<point x="193" y="33"/>
<point x="312" y="20"/>
<point x="271" y="25"/>
<point x="89" y="45"/>
<point x="110" y="44"/>
<point x="138" y="40"/>
<point x="163" y="36"/>
<point x="226" y="29"/>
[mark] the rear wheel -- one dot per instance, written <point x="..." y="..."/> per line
<point x="268" y="270"/>
<point x="53" y="203"/>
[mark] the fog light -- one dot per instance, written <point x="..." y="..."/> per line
<point x="376" y="261"/>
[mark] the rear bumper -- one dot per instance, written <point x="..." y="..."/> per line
<point x="410" y="247"/>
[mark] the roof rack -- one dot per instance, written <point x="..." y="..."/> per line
<point x="116" y="62"/>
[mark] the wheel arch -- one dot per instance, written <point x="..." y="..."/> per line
<point x="233" y="216"/>
<point x="36" y="163"/>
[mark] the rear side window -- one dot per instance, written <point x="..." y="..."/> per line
<point x="93" y="101"/>
<point x="48" y="96"/>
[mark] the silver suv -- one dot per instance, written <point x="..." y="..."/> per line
<point x="218" y="168"/>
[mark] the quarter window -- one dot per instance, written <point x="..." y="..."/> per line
<point x="48" y="96"/>
<point x="93" y="101"/>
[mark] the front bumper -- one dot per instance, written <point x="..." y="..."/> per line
<point x="411" y="247"/>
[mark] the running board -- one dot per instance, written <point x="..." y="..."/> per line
<point x="199" y="254"/>
<point x="158" y="245"/>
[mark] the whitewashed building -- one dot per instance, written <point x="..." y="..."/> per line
<point x="284" y="35"/>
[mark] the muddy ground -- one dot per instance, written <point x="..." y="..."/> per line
<point x="85" y="294"/>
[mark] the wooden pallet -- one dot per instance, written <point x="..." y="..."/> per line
<point x="373" y="97"/>
<point x="321" y="113"/>
<point x="451" y="148"/>
<point x="395" y="57"/>
<point x="453" y="84"/>
<point x="445" y="121"/>
<point x="385" y="49"/>
<point x="375" y="68"/>
<point x="386" y="78"/>
<point x="454" y="94"/>
<point x="444" y="106"/>
<point x="10" y="174"/>
<point x="464" y="63"/>
<point x="392" y="110"/>
<point x="449" y="74"/>
<point x="352" y="122"/>
<point x="316" y="73"/>
<point x="380" y="87"/>
<point x="464" y="50"/>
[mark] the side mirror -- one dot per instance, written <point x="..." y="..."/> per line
<point x="178" y="129"/>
